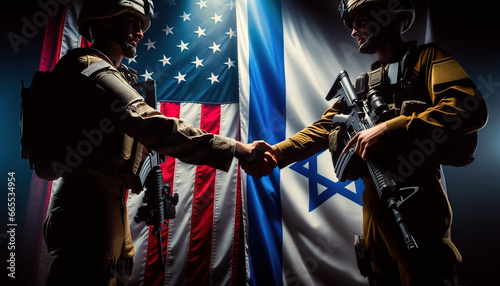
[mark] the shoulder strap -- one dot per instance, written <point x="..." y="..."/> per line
<point x="410" y="58"/>
<point x="406" y="64"/>
<point x="95" y="67"/>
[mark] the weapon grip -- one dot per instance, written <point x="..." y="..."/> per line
<point x="340" y="118"/>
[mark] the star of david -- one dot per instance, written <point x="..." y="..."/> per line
<point x="309" y="169"/>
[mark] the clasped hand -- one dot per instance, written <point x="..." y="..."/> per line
<point x="259" y="158"/>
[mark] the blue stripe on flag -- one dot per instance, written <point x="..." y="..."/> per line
<point x="267" y="122"/>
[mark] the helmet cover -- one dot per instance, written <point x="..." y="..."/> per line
<point x="106" y="9"/>
<point x="403" y="11"/>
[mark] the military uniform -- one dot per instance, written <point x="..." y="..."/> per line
<point x="416" y="143"/>
<point x="103" y="124"/>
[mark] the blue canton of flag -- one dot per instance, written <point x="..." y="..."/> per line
<point x="190" y="50"/>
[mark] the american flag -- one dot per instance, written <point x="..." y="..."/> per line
<point x="190" y="51"/>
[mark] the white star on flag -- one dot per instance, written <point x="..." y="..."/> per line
<point x="202" y="4"/>
<point x="165" y="60"/>
<point x="200" y="32"/>
<point x="183" y="46"/>
<point x="215" y="48"/>
<point x="180" y="77"/>
<point x="132" y="59"/>
<point x="213" y="78"/>
<point x="168" y="30"/>
<point x="185" y="17"/>
<point x="216" y="18"/>
<point x="198" y="62"/>
<point x="147" y="75"/>
<point x="231" y="33"/>
<point x="231" y="5"/>
<point x="230" y="63"/>
<point x="150" y="44"/>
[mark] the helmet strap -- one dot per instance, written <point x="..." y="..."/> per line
<point x="368" y="47"/>
<point x="128" y="50"/>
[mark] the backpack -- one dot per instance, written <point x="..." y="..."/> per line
<point x="457" y="152"/>
<point x="36" y="123"/>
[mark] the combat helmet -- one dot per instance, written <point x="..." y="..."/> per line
<point x="399" y="11"/>
<point x="105" y="9"/>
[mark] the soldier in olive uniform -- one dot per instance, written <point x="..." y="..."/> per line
<point x="437" y="111"/>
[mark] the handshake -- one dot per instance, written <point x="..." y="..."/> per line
<point x="257" y="159"/>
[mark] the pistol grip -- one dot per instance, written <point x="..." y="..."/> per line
<point x="340" y="118"/>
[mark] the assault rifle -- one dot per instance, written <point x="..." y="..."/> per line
<point x="366" y="110"/>
<point x="159" y="204"/>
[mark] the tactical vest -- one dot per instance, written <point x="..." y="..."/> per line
<point x="394" y="83"/>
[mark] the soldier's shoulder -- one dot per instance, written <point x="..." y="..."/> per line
<point x="80" y="58"/>
<point x="431" y="50"/>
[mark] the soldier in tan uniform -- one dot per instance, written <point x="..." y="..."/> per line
<point x="437" y="112"/>
<point x="103" y="125"/>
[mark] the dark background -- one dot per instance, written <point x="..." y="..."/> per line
<point x="469" y="30"/>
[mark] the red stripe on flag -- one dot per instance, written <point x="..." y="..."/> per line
<point x="84" y="43"/>
<point x="200" y="248"/>
<point x="169" y="109"/>
<point x="153" y="276"/>
<point x="51" y="47"/>
<point x="38" y="203"/>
